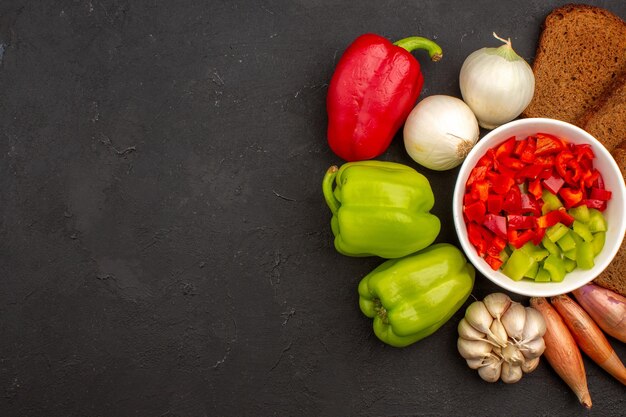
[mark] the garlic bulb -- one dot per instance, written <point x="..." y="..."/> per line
<point x="501" y="338"/>
<point x="497" y="84"/>
<point x="440" y="131"/>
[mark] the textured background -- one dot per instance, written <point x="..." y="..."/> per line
<point x="164" y="246"/>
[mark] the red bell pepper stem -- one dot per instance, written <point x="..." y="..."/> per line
<point x="417" y="42"/>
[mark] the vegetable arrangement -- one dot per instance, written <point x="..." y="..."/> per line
<point x="533" y="208"/>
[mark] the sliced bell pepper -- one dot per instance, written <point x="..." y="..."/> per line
<point x="506" y="148"/>
<point x="517" y="222"/>
<point x="513" y="201"/>
<point x="478" y="173"/>
<point x="553" y="183"/>
<point x="548" y="144"/>
<point x="475" y="212"/>
<point x="518" y="239"/>
<point x="480" y="190"/>
<point x="599" y="194"/>
<point x="571" y="196"/>
<point x="502" y="183"/>
<point x="528" y="155"/>
<point x="497" y="224"/>
<point x="494" y="203"/>
<point x="534" y="187"/>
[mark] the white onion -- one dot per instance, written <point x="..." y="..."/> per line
<point x="440" y="131"/>
<point x="497" y="84"/>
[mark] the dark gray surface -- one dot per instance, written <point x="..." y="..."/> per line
<point x="165" y="249"/>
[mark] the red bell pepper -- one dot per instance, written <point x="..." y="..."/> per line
<point x="571" y="196"/>
<point x="475" y="212"/>
<point x="497" y="224"/>
<point x="548" y="144"/>
<point x="517" y="222"/>
<point x="371" y="93"/>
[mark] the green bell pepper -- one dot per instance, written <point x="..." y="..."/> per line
<point x="411" y="297"/>
<point x="380" y="208"/>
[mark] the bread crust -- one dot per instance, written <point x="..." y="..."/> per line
<point x="549" y="82"/>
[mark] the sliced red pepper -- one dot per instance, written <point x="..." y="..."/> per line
<point x="599" y="181"/>
<point x="513" y="201"/>
<point x="539" y="234"/>
<point x="512" y="163"/>
<point x="529" y="172"/>
<point x="548" y="144"/>
<point x="494" y="203"/>
<point x="549" y="219"/>
<point x="519" y="147"/>
<point x="545" y="161"/>
<point x="530" y="204"/>
<point x="475" y="212"/>
<point x="468" y="198"/>
<point x="496" y="223"/>
<point x="596" y="204"/>
<point x="584" y="151"/>
<point x="502" y="183"/>
<point x="534" y="188"/>
<point x="553" y="183"/>
<point x="475" y="236"/>
<point x="480" y="190"/>
<point x="518" y="222"/>
<point x="561" y="164"/>
<point x="497" y="245"/>
<point x="565" y="218"/>
<point x="494" y="262"/>
<point x="571" y="196"/>
<point x="506" y="148"/>
<point x="478" y="173"/>
<point x="528" y="155"/>
<point x="599" y="194"/>
<point x="518" y="239"/>
<point x="590" y="178"/>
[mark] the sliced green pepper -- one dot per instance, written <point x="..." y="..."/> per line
<point x="411" y="297"/>
<point x="555" y="266"/>
<point x="518" y="264"/>
<point x="380" y="208"/>
<point x="598" y="242"/>
<point x="584" y="255"/>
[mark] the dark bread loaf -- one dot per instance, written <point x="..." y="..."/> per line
<point x="614" y="276"/>
<point x="606" y="119"/>
<point x="581" y="50"/>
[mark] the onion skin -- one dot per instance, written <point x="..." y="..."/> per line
<point x="561" y="351"/>
<point x="589" y="337"/>
<point x="606" y="308"/>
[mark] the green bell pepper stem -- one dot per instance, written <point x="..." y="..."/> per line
<point x="327" y="188"/>
<point x="417" y="42"/>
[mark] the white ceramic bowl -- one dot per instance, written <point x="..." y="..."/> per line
<point x="614" y="213"/>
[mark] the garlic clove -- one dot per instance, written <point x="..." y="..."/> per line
<point x="534" y="326"/>
<point x="513" y="320"/>
<point x="490" y="372"/>
<point x="497" y="303"/>
<point x="467" y="331"/>
<point x="473" y="349"/>
<point x="512" y="355"/>
<point x="533" y="348"/>
<point x="475" y="363"/>
<point x="478" y="316"/>
<point x="498" y="333"/>
<point x="530" y="365"/>
<point x="510" y="374"/>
